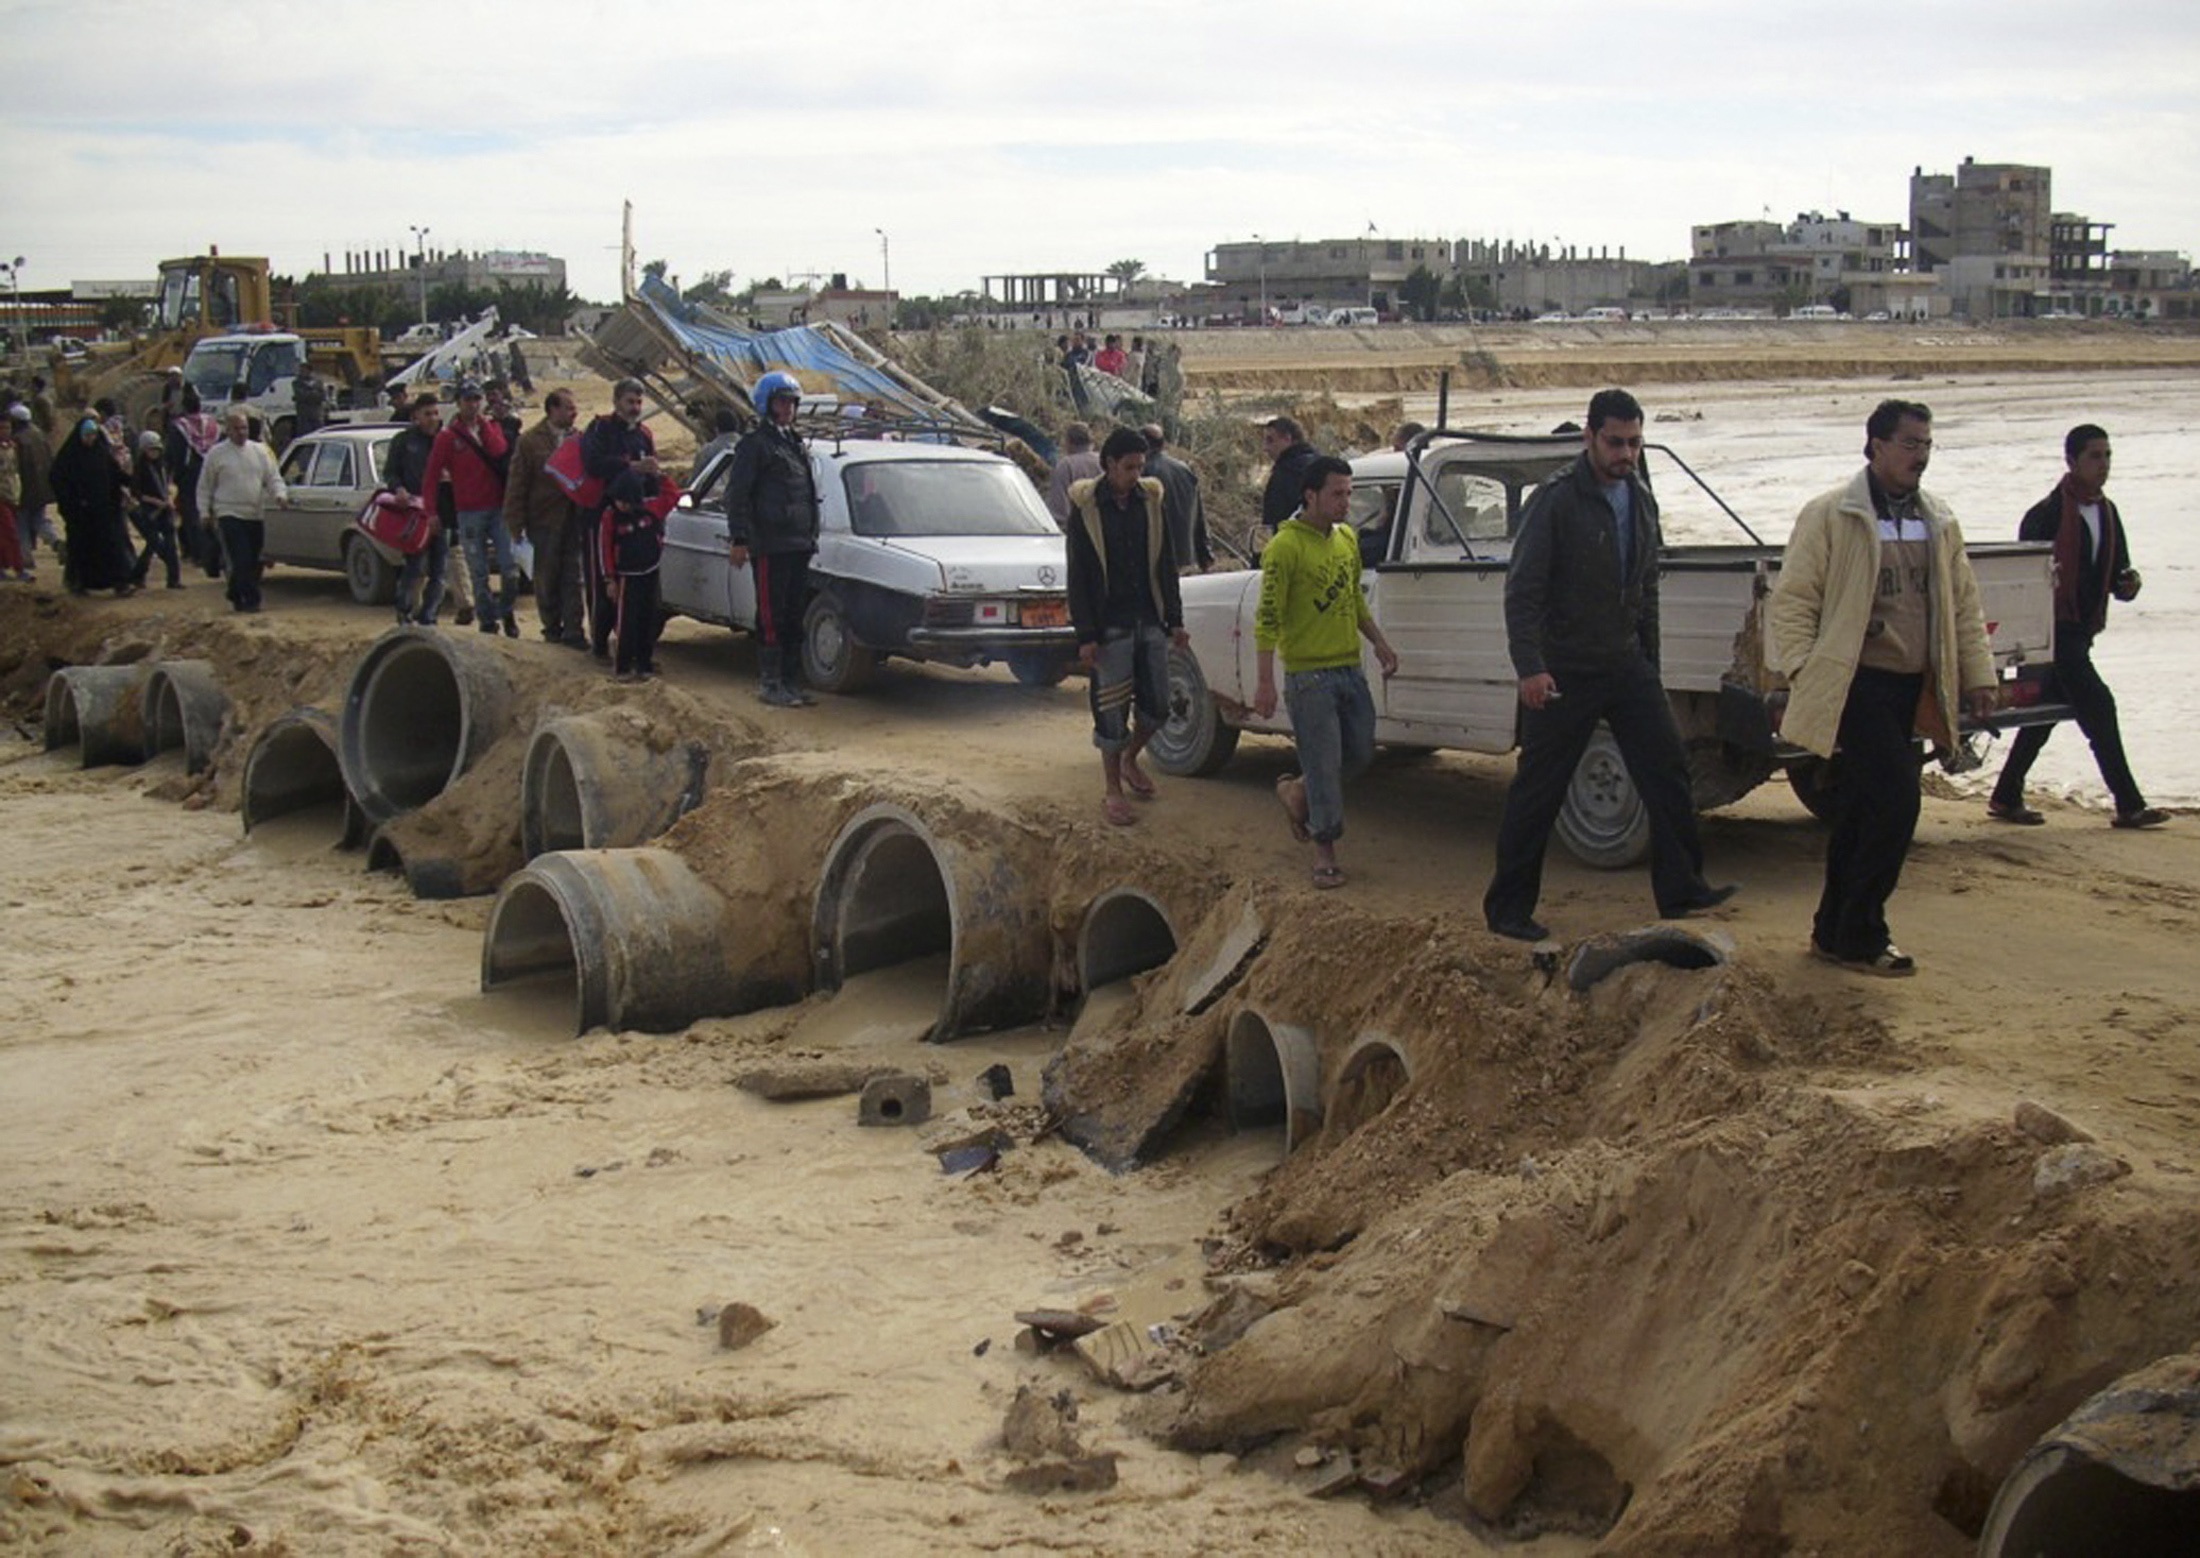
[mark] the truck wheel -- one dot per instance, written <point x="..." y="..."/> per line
<point x="1196" y="740"/>
<point x="832" y="660"/>
<point x="1038" y="667"/>
<point x="1812" y="780"/>
<point x="373" y="581"/>
<point x="1604" y="823"/>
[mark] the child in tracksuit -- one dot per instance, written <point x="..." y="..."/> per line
<point x="635" y="539"/>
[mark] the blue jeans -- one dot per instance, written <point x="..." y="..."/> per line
<point x="1333" y="722"/>
<point x="476" y="529"/>
<point x="424" y="569"/>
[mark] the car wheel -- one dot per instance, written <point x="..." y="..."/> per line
<point x="1038" y="667"/>
<point x="1603" y="822"/>
<point x="832" y="660"/>
<point x="1195" y="740"/>
<point x="373" y="581"/>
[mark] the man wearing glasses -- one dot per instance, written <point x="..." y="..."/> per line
<point x="1875" y="623"/>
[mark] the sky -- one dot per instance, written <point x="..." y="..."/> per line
<point x="978" y="139"/>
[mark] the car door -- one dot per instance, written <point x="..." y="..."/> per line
<point x="324" y="499"/>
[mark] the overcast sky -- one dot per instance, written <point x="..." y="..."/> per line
<point x="983" y="138"/>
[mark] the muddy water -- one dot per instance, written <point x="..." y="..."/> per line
<point x="299" y="835"/>
<point x="896" y="1004"/>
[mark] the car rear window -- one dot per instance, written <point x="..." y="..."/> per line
<point x="943" y="498"/>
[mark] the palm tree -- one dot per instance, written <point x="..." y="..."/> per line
<point x="1127" y="271"/>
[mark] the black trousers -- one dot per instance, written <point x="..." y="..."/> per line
<point x="603" y="611"/>
<point x="638" y="622"/>
<point x="1875" y="808"/>
<point x="1552" y="740"/>
<point x="242" y="539"/>
<point x="2095" y="706"/>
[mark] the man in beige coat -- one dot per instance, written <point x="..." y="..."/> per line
<point x="1875" y="623"/>
<point x="537" y="509"/>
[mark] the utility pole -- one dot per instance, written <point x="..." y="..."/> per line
<point x="1263" y="263"/>
<point x="885" y="259"/>
<point x="15" y="288"/>
<point x="420" y="247"/>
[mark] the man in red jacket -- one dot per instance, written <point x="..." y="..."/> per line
<point x="472" y="455"/>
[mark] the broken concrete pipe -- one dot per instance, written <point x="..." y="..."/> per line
<point x="185" y="707"/>
<point x="2121" y="1474"/>
<point x="1372" y="1074"/>
<point x="589" y="783"/>
<point x="292" y="770"/>
<point x="895" y="890"/>
<point x="644" y="942"/>
<point x="1124" y="934"/>
<point x="1272" y="1077"/>
<point x="421" y="708"/>
<point x="100" y="710"/>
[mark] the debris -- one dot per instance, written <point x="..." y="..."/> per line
<point x="1059" y="1325"/>
<point x="1386" y="1482"/>
<point x="1309" y="1456"/>
<point x="1341" y="1475"/>
<point x="2047" y="1127"/>
<point x="1128" y="1356"/>
<point x="789" y="1081"/>
<point x="741" y="1324"/>
<point x="1039" y="1425"/>
<point x="997" y="1082"/>
<point x="968" y="1160"/>
<point x="1086" y="1474"/>
<point x="895" y="1099"/>
<point x="2062" y="1170"/>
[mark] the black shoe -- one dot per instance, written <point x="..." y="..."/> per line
<point x="404" y="617"/>
<point x="2015" y="811"/>
<point x="573" y="641"/>
<point x="465" y="615"/>
<point x="1709" y="898"/>
<point x="486" y="626"/>
<point x="802" y="695"/>
<point x="1521" y="929"/>
<point x="2144" y="817"/>
<point x="777" y="695"/>
<point x="511" y="625"/>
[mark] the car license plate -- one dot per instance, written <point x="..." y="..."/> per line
<point x="1044" y="614"/>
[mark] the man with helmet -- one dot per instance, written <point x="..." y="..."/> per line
<point x="771" y="518"/>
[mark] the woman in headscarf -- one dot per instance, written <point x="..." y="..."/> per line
<point x="93" y="493"/>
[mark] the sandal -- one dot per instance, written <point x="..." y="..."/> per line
<point x="1295" y="815"/>
<point x="1117" y="811"/>
<point x="1329" y="876"/>
<point x="1138" y="784"/>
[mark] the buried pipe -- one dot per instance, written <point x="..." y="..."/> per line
<point x="421" y="708"/>
<point x="895" y="891"/>
<point x="1124" y="933"/>
<point x="594" y="781"/>
<point x="100" y="710"/>
<point x="292" y="769"/>
<point x="640" y="940"/>
<point x="1369" y="1079"/>
<point x="185" y="708"/>
<point x="1600" y="957"/>
<point x="427" y="873"/>
<point x="1272" y="1076"/>
<point x="2119" y="1475"/>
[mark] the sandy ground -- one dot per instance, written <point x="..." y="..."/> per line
<point x="308" y="1246"/>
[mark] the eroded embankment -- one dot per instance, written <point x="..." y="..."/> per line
<point x="1675" y="1259"/>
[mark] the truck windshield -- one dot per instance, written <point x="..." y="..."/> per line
<point x="943" y="498"/>
<point x="212" y="369"/>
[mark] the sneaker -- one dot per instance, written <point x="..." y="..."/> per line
<point x="1890" y="962"/>
<point x="778" y="696"/>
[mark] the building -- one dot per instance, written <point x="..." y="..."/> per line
<point x="418" y="274"/>
<point x="1530" y="278"/>
<point x="1987" y="231"/>
<point x="1253" y="279"/>
<point x="1854" y="266"/>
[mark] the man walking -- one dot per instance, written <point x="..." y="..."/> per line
<point x="615" y="443"/>
<point x="1124" y="604"/>
<point x="1078" y="463"/>
<point x="472" y="456"/>
<point x="1581" y="624"/>
<point x="34" y="464"/>
<point x="2092" y="564"/>
<point x="1188" y="541"/>
<point x="1875" y="623"/>
<point x="405" y="472"/>
<point x="537" y="509"/>
<point x="1312" y="612"/>
<point x="771" y="525"/>
<point x="1284" y="442"/>
<point x="236" y="484"/>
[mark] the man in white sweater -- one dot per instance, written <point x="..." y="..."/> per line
<point x="236" y="484"/>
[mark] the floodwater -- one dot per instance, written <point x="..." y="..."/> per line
<point x="1767" y="448"/>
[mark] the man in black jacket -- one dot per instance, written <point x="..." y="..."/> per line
<point x="1284" y="442"/>
<point x="405" y="471"/>
<point x="2092" y="564"/>
<point x="771" y="524"/>
<point x="1581" y="622"/>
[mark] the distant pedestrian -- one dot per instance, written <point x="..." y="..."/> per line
<point x="1134" y="372"/>
<point x="12" y="565"/>
<point x="92" y="493"/>
<point x="1284" y="442"/>
<point x="725" y="432"/>
<point x="309" y="402"/>
<point x="619" y="441"/>
<point x="1111" y="358"/>
<point x="1079" y="462"/>
<point x="237" y="484"/>
<point x="538" y="510"/>
<point x="43" y="411"/>
<point x="1313" y="614"/>
<point x="1875" y="623"/>
<point x="471" y="456"/>
<point x="153" y="512"/>
<point x="772" y="526"/>
<point x="191" y="433"/>
<point x="34" y="463"/>
<point x="1188" y="541"/>
<point x="2092" y="567"/>
<point x="1406" y="433"/>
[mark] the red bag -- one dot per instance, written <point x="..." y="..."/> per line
<point x="403" y="525"/>
<point x="565" y="468"/>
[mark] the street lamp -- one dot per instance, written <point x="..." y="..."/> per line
<point x="15" y="287"/>
<point x="420" y="244"/>
<point x="1262" y="261"/>
<point x="885" y="259"/>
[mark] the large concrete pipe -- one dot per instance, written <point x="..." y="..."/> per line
<point x="1369" y="1079"/>
<point x="1125" y="932"/>
<point x="1272" y="1075"/>
<point x="596" y="781"/>
<point x="292" y="771"/>
<point x="185" y="707"/>
<point x="636" y="935"/>
<point x="894" y="890"/>
<point x="100" y="710"/>
<point x="421" y="708"/>
<point x="2119" y="1475"/>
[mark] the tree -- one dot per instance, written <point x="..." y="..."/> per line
<point x="1420" y="292"/>
<point x="122" y="315"/>
<point x="654" y="268"/>
<point x="715" y="290"/>
<point x="1127" y="271"/>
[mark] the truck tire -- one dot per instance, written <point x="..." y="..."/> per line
<point x="1196" y="740"/>
<point x="1603" y="822"/>
<point x="1038" y="667"/>
<point x="832" y="660"/>
<point x="373" y="581"/>
<point x="1811" y="778"/>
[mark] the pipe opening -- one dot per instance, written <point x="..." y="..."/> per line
<point x="412" y="728"/>
<point x="1124" y="934"/>
<point x="384" y="855"/>
<point x="2067" y="1503"/>
<point x="1597" y="960"/>
<point x="530" y="960"/>
<point x="1271" y="1077"/>
<point x="184" y="707"/>
<point x="889" y="905"/>
<point x="559" y="822"/>
<point x="62" y="729"/>
<point x="1368" y="1082"/>
<point x="292" y="772"/>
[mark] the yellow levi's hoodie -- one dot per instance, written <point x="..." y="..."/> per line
<point x="1310" y="600"/>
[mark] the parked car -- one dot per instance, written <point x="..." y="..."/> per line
<point x="1349" y="317"/>
<point x="929" y="551"/>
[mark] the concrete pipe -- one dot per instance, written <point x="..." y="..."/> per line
<point x="100" y="710"/>
<point x="421" y="708"/>
<point x="185" y="708"/>
<point x="1373" y="1073"/>
<point x="292" y="770"/>
<point x="1124" y="933"/>
<point x="2119" y="1475"/>
<point x="1600" y="957"/>
<point x="591" y="781"/>
<point x="894" y="891"/>
<point x="1272" y="1075"/>
<point x="636" y="935"/>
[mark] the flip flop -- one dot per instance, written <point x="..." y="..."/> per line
<point x="1329" y="876"/>
<point x="1118" y="811"/>
<point x="1138" y="784"/>
<point x="1290" y="812"/>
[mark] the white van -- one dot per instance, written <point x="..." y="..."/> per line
<point x="1609" y="316"/>
<point x="1354" y="316"/>
<point x="1815" y="311"/>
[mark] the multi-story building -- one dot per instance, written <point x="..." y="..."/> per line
<point x="1853" y="265"/>
<point x="1363" y="272"/>
<point x="481" y="270"/>
<point x="1531" y="278"/>
<point x="1987" y="230"/>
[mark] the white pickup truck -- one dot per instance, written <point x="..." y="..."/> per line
<point x="930" y="551"/>
<point x="1436" y="529"/>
